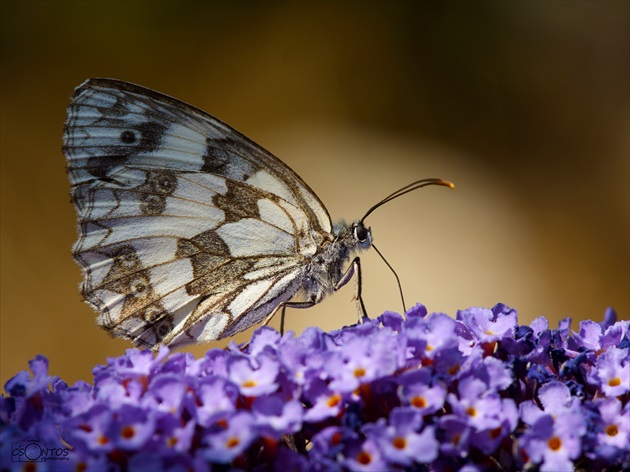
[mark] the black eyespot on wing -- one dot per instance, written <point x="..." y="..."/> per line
<point x="140" y="139"/>
<point x="128" y="137"/>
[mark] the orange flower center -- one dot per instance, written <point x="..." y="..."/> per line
<point x="496" y="432"/>
<point x="364" y="458"/>
<point x="399" y="443"/>
<point x="232" y="442"/>
<point x="554" y="443"/>
<point x="128" y="432"/>
<point x="614" y="382"/>
<point x="359" y="372"/>
<point x="334" y="400"/>
<point x="80" y="467"/>
<point x="418" y="401"/>
<point x="612" y="430"/>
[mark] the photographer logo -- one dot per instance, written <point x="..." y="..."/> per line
<point x="34" y="450"/>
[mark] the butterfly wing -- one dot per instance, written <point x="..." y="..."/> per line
<point x="188" y="231"/>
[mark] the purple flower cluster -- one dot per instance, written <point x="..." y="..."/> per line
<point x="424" y="392"/>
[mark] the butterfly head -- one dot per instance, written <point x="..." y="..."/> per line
<point x="352" y="236"/>
<point x="362" y="235"/>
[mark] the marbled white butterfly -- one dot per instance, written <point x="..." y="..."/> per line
<point x="189" y="231"/>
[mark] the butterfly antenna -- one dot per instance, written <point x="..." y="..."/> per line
<point x="406" y="189"/>
<point x="402" y="297"/>
<point x="401" y="191"/>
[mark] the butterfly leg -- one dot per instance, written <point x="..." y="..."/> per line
<point x="284" y="310"/>
<point x="355" y="267"/>
<point x="345" y="278"/>
<point x="284" y="306"/>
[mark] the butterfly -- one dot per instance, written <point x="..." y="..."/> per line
<point x="188" y="230"/>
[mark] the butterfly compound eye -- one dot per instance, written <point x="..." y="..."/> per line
<point x="361" y="232"/>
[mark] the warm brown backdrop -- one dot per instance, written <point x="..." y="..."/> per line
<point x="523" y="104"/>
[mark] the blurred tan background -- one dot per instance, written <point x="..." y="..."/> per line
<point x="524" y="105"/>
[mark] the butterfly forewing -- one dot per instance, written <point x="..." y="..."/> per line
<point x="187" y="229"/>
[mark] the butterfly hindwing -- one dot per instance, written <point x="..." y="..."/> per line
<point x="187" y="230"/>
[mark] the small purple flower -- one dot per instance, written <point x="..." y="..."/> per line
<point x="264" y="339"/>
<point x="489" y="326"/>
<point x="554" y="439"/>
<point x="175" y="435"/>
<point x="214" y="362"/>
<point x="477" y="405"/>
<point x="299" y="361"/>
<point x="615" y="424"/>
<point x="329" y="441"/>
<point x="365" y="457"/>
<point x="392" y="320"/>
<point x="230" y="439"/>
<point x="416" y="311"/>
<point x="25" y="385"/>
<point x="92" y="430"/>
<point x="114" y="392"/>
<point x="361" y="360"/>
<point x="253" y="381"/>
<point x="556" y="400"/>
<point x="454" y="436"/>
<point x="430" y="336"/>
<point x="132" y="427"/>
<point x="601" y="336"/>
<point x="612" y="373"/>
<point x="31" y="395"/>
<point x="215" y="397"/>
<point x="402" y="442"/>
<point x="551" y="443"/>
<point x="180" y="363"/>
<point x="324" y="403"/>
<point x="488" y="440"/>
<point x="77" y="399"/>
<point x="166" y="393"/>
<point x="415" y="391"/>
<point x="495" y="373"/>
<point x="448" y="363"/>
<point x="134" y="364"/>
<point x="275" y="416"/>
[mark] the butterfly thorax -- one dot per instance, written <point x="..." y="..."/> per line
<point x="328" y="265"/>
